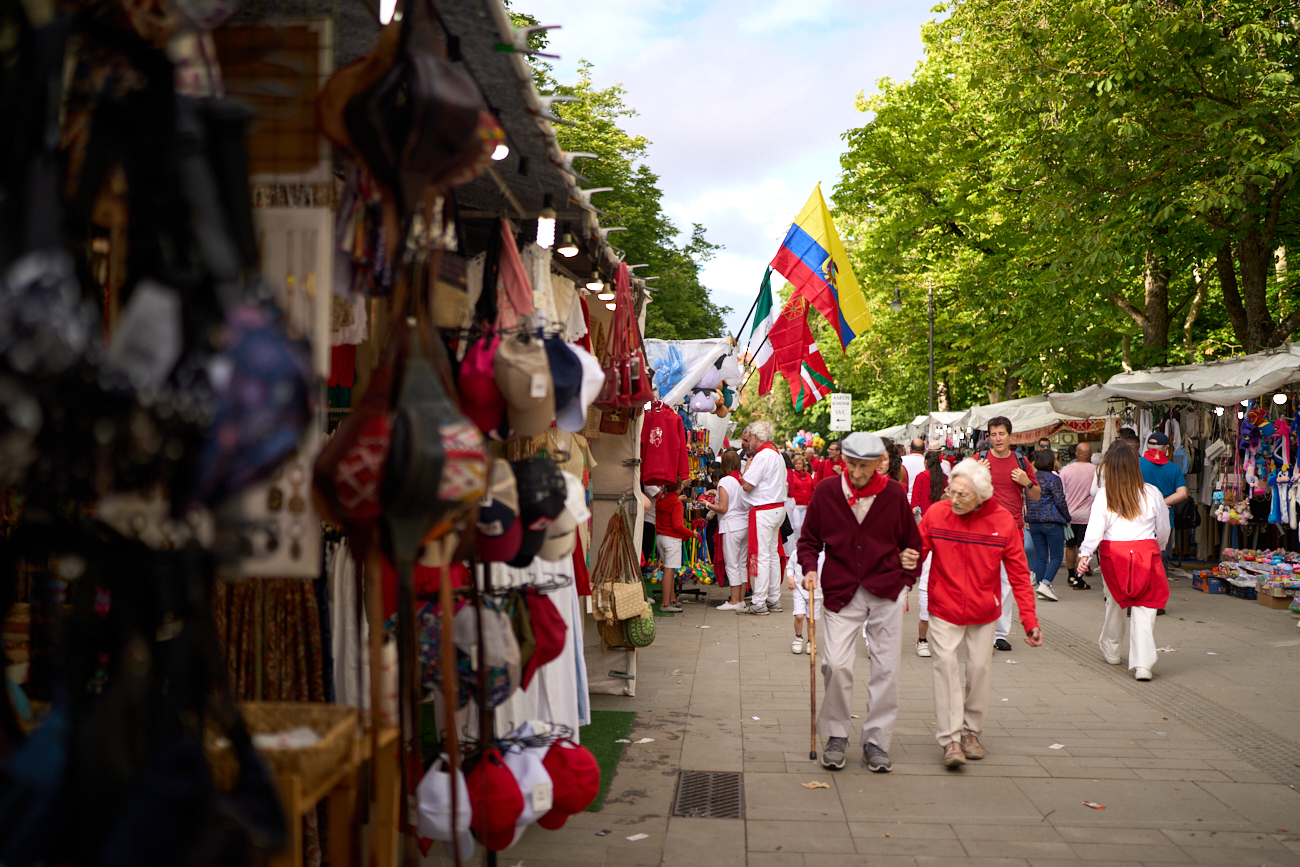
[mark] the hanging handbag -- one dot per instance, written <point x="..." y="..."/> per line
<point x="640" y="631"/>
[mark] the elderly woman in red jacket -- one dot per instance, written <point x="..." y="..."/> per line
<point x="971" y="536"/>
<point x="862" y="521"/>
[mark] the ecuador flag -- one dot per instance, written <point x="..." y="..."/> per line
<point x="813" y="259"/>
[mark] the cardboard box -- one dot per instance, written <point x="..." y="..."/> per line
<point x="1269" y="601"/>
<point x="1209" y="585"/>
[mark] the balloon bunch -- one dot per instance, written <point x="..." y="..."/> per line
<point x="803" y="439"/>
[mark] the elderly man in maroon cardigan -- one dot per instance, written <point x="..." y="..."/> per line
<point x="862" y="521"/>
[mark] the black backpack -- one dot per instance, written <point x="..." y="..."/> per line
<point x="1186" y="515"/>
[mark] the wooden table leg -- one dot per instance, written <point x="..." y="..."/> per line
<point x="290" y="787"/>
<point x="383" y="818"/>
<point x="341" y="810"/>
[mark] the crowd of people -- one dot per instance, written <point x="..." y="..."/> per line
<point x="981" y="533"/>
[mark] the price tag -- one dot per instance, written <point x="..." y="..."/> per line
<point x="538" y="387"/>
<point x="542" y="797"/>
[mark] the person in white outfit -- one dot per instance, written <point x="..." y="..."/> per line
<point x="729" y="504"/>
<point x="763" y="482"/>
<point x="1128" y="528"/>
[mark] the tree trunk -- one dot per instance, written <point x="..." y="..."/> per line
<point x="1153" y="318"/>
<point x="1255" y="257"/>
<point x="1193" y="312"/>
<point x="941" y="395"/>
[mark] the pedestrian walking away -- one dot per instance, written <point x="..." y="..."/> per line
<point x="1128" y="530"/>
<point x="974" y="542"/>
<point x="1046" y="519"/>
<point x="1013" y="483"/>
<point x="1077" y="479"/>
<point x="864" y="526"/>
<point x="763" y="482"/>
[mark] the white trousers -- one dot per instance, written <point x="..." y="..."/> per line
<point x="1141" y="629"/>
<point x="735" y="553"/>
<point x="767" y="583"/>
<point x="1008" y="597"/>
<point x="923" y="589"/>
<point x="957" y="709"/>
<point x="796" y="514"/>
<point x="883" y="619"/>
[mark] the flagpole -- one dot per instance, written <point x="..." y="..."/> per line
<point x="753" y="306"/>
<point x="752" y="355"/>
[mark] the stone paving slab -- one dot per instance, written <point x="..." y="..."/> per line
<point x="1175" y="791"/>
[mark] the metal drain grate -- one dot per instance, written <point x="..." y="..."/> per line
<point x="709" y="795"/>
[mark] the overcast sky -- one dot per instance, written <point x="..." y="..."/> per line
<point x="744" y="103"/>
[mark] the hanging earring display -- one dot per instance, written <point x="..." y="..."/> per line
<point x="276" y="530"/>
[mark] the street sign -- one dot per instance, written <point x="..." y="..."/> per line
<point x="841" y="412"/>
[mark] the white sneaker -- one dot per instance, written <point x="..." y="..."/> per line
<point x="1045" y="591"/>
<point x="922" y="647"/>
<point x="1142" y="674"/>
<point x="731" y="606"/>
<point x="796" y="646"/>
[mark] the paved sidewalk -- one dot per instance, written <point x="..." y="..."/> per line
<point x="1198" y="766"/>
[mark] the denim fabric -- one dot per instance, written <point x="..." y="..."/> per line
<point x="1049" y="548"/>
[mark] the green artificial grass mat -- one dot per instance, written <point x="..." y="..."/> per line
<point x="607" y="726"/>
<point x="652" y="592"/>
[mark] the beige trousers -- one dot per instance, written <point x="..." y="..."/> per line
<point x="957" y="709"/>
<point x="837" y="640"/>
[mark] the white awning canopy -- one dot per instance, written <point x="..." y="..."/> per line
<point x="1221" y="383"/>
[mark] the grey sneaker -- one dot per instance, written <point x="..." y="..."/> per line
<point x="877" y="759"/>
<point x="775" y="606"/>
<point x="833" y="755"/>
<point x="759" y="610"/>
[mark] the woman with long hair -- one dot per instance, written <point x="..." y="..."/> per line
<point x="929" y="488"/>
<point x="733" y="528"/>
<point x="896" y="470"/>
<point x="1129" y="527"/>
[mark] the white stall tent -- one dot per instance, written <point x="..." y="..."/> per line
<point x="1222" y="383"/>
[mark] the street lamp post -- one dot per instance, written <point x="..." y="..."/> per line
<point x="897" y="304"/>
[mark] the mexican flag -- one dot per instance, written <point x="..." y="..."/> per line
<point x="764" y="318"/>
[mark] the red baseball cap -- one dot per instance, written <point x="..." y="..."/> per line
<point x="549" y="631"/>
<point x="575" y="776"/>
<point x="494" y="796"/>
<point x="481" y="398"/>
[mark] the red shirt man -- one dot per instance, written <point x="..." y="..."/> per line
<point x="831" y="467"/>
<point x="1011" y="484"/>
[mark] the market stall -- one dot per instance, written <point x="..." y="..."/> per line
<point x="310" y="419"/>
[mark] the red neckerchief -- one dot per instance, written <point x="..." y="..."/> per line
<point x="1156" y="456"/>
<point x="734" y="475"/>
<point x="873" y="487"/>
<point x="764" y="446"/>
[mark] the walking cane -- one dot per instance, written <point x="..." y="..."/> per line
<point x="812" y="672"/>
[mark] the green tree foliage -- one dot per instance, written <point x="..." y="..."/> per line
<point x="682" y="308"/>
<point x="1082" y="186"/>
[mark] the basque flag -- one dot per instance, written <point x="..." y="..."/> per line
<point x="813" y="259"/>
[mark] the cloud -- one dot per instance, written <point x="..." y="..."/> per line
<point x="744" y="102"/>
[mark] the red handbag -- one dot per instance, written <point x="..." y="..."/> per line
<point x="627" y="384"/>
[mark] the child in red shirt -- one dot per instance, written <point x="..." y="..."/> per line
<point x="670" y="530"/>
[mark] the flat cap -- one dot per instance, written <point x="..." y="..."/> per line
<point x="862" y="446"/>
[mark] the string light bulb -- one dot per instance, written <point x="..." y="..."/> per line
<point x="502" y="151"/>
<point x="546" y="226"/>
<point x="1279" y="398"/>
<point x="568" y="249"/>
<point x="595" y="284"/>
<point x="610" y="306"/>
<point x="606" y="296"/>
